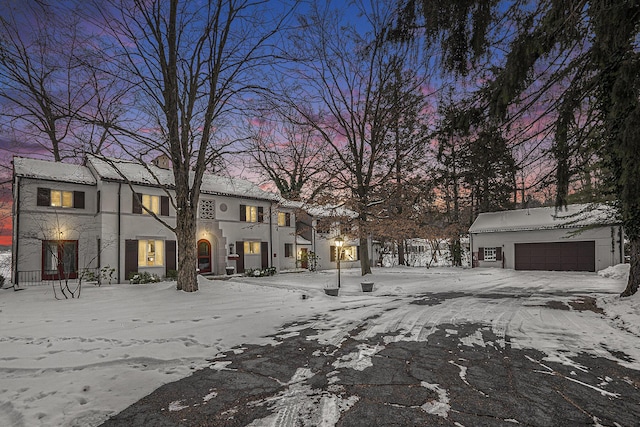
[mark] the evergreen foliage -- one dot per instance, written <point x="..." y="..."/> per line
<point x="578" y="60"/>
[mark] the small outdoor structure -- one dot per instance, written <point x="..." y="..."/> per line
<point x="583" y="237"/>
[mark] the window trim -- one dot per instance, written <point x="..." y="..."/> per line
<point x="250" y="245"/>
<point x="288" y="250"/>
<point x="490" y="254"/>
<point x="286" y="219"/>
<point x="158" y="253"/>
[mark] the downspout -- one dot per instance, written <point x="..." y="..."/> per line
<point x="471" y="250"/>
<point x="270" y="234"/>
<point x="621" y="235"/>
<point x="16" y="232"/>
<point x="119" y="225"/>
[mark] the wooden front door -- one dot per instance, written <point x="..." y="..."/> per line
<point x="304" y="258"/>
<point x="204" y="256"/>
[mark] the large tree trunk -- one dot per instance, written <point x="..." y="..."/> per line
<point x="365" y="264"/>
<point x="634" y="271"/>
<point x="187" y="259"/>
<point x="401" y="260"/>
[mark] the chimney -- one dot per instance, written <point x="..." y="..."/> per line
<point x="162" y="161"/>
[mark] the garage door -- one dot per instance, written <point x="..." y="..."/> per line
<point x="556" y="256"/>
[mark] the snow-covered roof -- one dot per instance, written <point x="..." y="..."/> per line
<point x="302" y="241"/>
<point x="547" y="218"/>
<point x="123" y="170"/>
<point x="319" y="211"/>
<point x="52" y="171"/>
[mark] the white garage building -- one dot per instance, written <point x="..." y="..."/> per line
<point x="580" y="238"/>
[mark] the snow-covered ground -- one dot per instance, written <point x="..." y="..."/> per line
<point x="75" y="362"/>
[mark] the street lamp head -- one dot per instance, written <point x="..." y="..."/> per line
<point x="339" y="241"/>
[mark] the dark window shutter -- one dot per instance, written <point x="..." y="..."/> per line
<point x="480" y="254"/>
<point x="170" y="253"/>
<point x="498" y="254"/>
<point x="136" y="203"/>
<point x="260" y="214"/>
<point x="240" y="259"/>
<point x="264" y="253"/>
<point x="98" y="202"/>
<point x="44" y="197"/>
<point x="357" y="253"/>
<point x="78" y="199"/>
<point x="332" y="253"/>
<point x="164" y="206"/>
<point x="287" y="219"/>
<point x="130" y="258"/>
<point x="243" y="213"/>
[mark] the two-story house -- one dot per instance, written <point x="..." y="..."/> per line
<point x="67" y="218"/>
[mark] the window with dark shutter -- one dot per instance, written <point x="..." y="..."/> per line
<point x="44" y="197"/>
<point x="164" y="206"/>
<point x="498" y="254"/>
<point x="480" y="254"/>
<point x="260" y="214"/>
<point x="136" y="205"/>
<point x="287" y="219"/>
<point x="78" y="199"/>
<point x="243" y="213"/>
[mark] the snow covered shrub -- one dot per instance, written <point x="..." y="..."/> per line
<point x="144" y="277"/>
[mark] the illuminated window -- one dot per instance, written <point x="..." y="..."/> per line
<point x="284" y="219"/>
<point x="152" y="203"/>
<point x="251" y="213"/>
<point x="252" y="248"/>
<point x="60" y="198"/>
<point x="150" y="253"/>
<point x="145" y="203"/>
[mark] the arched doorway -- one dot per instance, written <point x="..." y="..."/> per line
<point x="204" y="256"/>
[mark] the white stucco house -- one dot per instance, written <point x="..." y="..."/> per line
<point x="68" y="217"/>
<point x="317" y="228"/>
<point x="582" y="237"/>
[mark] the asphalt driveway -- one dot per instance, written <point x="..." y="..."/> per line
<point x="441" y="359"/>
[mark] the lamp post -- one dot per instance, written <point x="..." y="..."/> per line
<point x="339" y="241"/>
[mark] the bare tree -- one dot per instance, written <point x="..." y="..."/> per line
<point x="189" y="64"/>
<point x="343" y="71"/>
<point x="45" y="86"/>
<point x="291" y="155"/>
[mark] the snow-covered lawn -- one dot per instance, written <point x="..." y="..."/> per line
<point x="75" y="362"/>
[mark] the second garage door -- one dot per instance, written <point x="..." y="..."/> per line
<point x="556" y="256"/>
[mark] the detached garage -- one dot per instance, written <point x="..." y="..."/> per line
<point x="580" y="238"/>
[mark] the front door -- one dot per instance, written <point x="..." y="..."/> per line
<point x="204" y="256"/>
<point x="304" y="258"/>
<point x="59" y="259"/>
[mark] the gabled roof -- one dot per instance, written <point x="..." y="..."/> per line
<point x="547" y="218"/>
<point x="52" y="171"/>
<point x="149" y="174"/>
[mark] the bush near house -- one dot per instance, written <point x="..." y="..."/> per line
<point x="144" y="277"/>
<point x="258" y="272"/>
